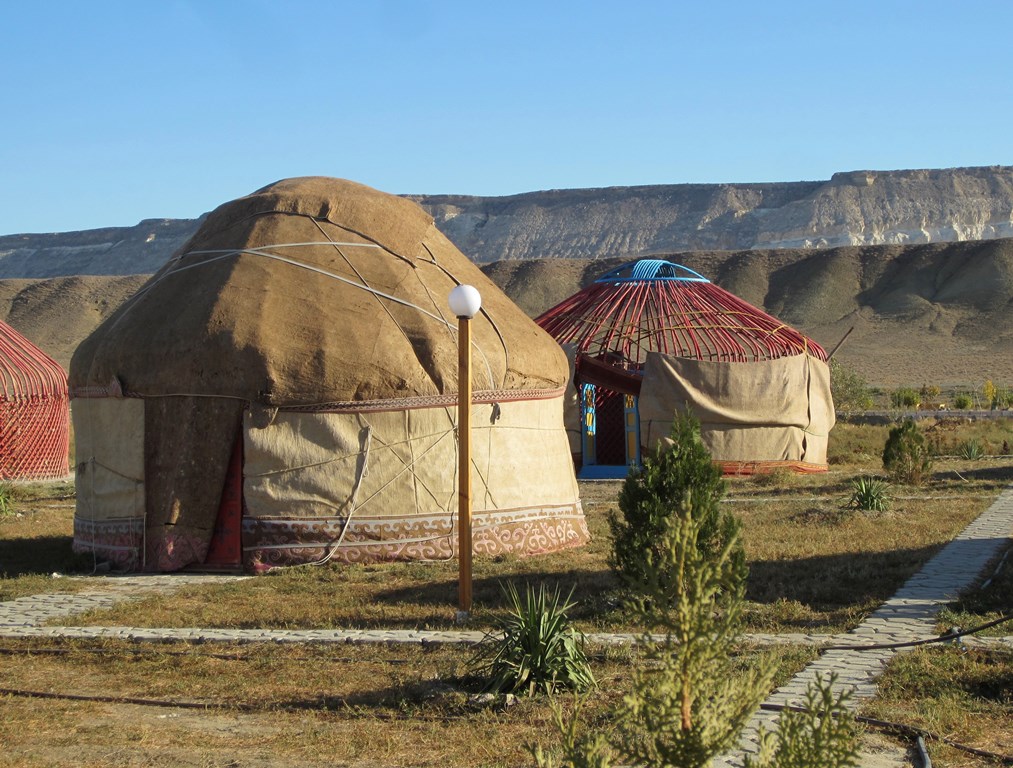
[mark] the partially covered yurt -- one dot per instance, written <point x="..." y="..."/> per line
<point x="284" y="391"/>
<point x="34" y="416"/>
<point x="651" y="338"/>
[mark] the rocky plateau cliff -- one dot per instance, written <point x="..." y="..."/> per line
<point x="853" y="208"/>
<point x="881" y="256"/>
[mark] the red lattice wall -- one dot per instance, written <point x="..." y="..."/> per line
<point x="34" y="438"/>
<point x="34" y="411"/>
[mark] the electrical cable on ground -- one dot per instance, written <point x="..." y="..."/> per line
<point x="910" y="731"/>
<point x="945" y="638"/>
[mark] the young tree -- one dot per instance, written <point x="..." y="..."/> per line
<point x="652" y="496"/>
<point x="906" y="454"/>
<point x="687" y="704"/>
<point x="849" y="389"/>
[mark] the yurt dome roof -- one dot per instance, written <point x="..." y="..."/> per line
<point x="311" y="291"/>
<point x="654" y="305"/>
<point x="25" y="370"/>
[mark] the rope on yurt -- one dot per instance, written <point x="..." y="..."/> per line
<point x="363" y="469"/>
<point x="333" y="548"/>
<point x="492" y="322"/>
<point x="362" y="285"/>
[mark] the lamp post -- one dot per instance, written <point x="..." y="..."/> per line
<point x="465" y="301"/>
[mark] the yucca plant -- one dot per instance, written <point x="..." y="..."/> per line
<point x="534" y="647"/>
<point x="869" y="494"/>
<point x="972" y="449"/>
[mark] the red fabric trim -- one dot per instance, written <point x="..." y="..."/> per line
<point x="226" y="542"/>
<point x="746" y="468"/>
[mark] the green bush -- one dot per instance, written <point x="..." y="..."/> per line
<point x="534" y="647"/>
<point x="653" y="496"/>
<point x="905" y="397"/>
<point x="689" y="702"/>
<point x="906" y="454"/>
<point x="850" y="391"/>
<point x="971" y="450"/>
<point x="1003" y="398"/>
<point x="869" y="494"/>
<point x="8" y="495"/>
<point x="962" y="401"/>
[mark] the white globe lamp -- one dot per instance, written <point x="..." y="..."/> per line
<point x="465" y="301"/>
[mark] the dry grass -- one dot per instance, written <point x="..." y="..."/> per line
<point x="961" y="694"/>
<point x="35" y="541"/>
<point x="280" y="706"/>
<point x="815" y="565"/>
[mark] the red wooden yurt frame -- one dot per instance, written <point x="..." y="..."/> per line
<point x="654" y="305"/>
<point x="34" y="411"/>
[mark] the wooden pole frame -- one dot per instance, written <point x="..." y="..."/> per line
<point x="464" y="545"/>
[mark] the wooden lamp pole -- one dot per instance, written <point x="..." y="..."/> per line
<point x="465" y="302"/>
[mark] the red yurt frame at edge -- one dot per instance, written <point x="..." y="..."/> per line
<point x="34" y="411"/>
<point x="656" y="307"/>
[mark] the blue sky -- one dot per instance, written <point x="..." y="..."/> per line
<point x="115" y="111"/>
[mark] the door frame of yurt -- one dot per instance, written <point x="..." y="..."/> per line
<point x="601" y="382"/>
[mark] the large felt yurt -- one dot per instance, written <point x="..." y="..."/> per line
<point x="34" y="416"/>
<point x="651" y="338"/>
<point x="284" y="391"/>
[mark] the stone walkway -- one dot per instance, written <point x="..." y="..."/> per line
<point x="907" y="616"/>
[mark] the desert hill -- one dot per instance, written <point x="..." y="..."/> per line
<point x="56" y="314"/>
<point x="936" y="313"/>
<point x="919" y="262"/>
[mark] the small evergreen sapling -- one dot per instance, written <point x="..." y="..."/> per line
<point x="652" y="496"/>
<point x="906" y="454"/>
<point x="819" y="733"/>
<point x="689" y="705"/>
<point x="687" y="580"/>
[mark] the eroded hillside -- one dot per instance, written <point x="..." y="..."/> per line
<point x="854" y="208"/>
<point x="939" y="313"/>
<point x="936" y="313"/>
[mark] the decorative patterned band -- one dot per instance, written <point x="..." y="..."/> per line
<point x="269" y="543"/>
<point x="766" y="467"/>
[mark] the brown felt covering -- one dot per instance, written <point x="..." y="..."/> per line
<point x="262" y="330"/>
<point x="765" y="411"/>
<point x="220" y="327"/>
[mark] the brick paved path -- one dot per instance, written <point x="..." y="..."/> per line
<point x="909" y="615"/>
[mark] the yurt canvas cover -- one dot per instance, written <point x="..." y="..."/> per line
<point x="34" y="416"/>
<point x="652" y="338"/>
<point x="292" y="373"/>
